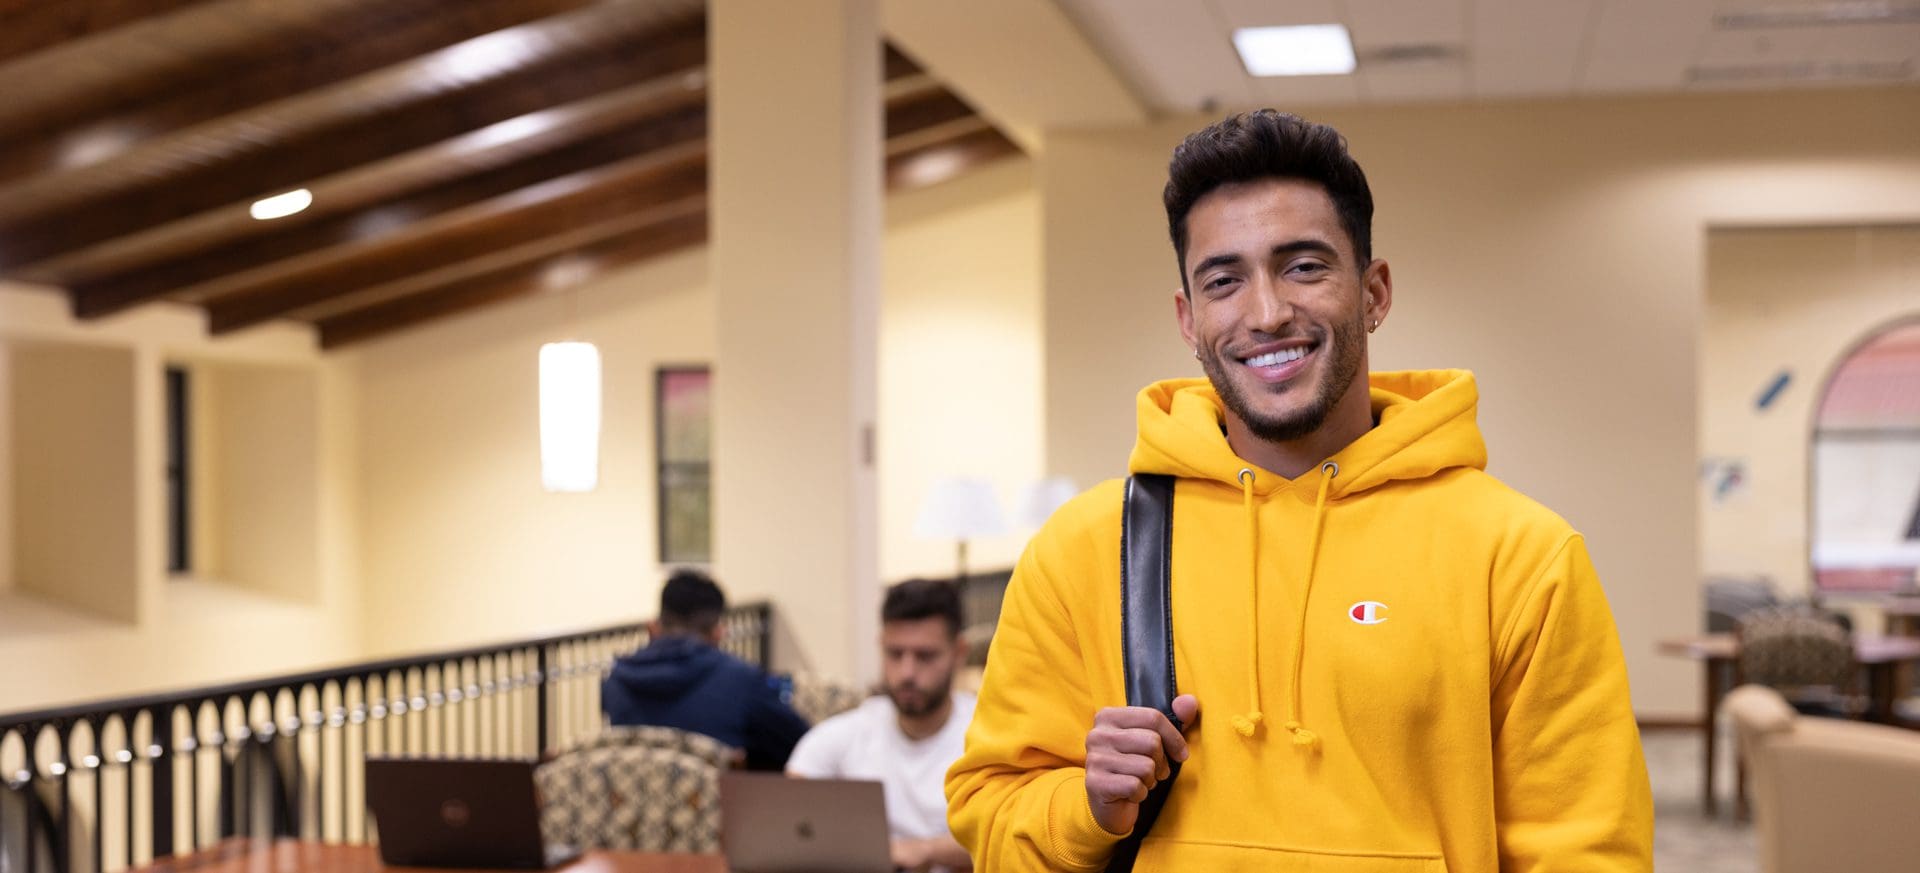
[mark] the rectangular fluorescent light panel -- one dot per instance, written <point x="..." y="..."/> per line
<point x="1304" y="50"/>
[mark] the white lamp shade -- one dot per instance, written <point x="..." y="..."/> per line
<point x="569" y="416"/>
<point x="1039" y="499"/>
<point x="960" y="509"/>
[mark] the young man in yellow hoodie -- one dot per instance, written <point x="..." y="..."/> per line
<point x="1405" y="665"/>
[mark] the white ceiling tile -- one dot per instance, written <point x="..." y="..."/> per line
<point x="1287" y="92"/>
<point x="1376" y="23"/>
<point x="1645" y="45"/>
<point x="1841" y="44"/>
<point x="1175" y="54"/>
<point x="1527" y="47"/>
<point x="1261" y="13"/>
<point x="1398" y="83"/>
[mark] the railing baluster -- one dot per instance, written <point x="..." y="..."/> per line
<point x="129" y="758"/>
<point x="160" y="765"/>
<point x="98" y="776"/>
<point x="541" y="665"/>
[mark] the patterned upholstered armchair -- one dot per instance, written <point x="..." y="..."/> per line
<point x="701" y="746"/>
<point x="1803" y="653"/>
<point x="641" y="798"/>
<point x="817" y="698"/>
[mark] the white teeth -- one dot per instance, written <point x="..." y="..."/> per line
<point x="1275" y="359"/>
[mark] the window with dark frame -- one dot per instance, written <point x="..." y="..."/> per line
<point x="683" y="441"/>
<point x="179" y="522"/>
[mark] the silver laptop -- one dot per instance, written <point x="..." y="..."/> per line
<point x="772" y="824"/>
<point x="458" y="813"/>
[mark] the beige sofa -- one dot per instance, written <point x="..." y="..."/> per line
<point x="1829" y="795"/>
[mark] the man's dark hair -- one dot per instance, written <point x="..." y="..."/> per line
<point x="691" y="602"/>
<point x="1267" y="145"/>
<point x="917" y="599"/>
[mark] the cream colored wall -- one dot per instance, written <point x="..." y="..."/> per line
<point x="187" y="633"/>
<point x="75" y="476"/>
<point x="462" y="546"/>
<point x="960" y="347"/>
<point x="1793" y="299"/>
<point x="265" y="433"/>
<point x="1557" y="249"/>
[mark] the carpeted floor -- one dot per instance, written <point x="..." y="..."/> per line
<point x="1684" y="840"/>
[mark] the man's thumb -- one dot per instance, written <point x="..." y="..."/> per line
<point x="1186" y="708"/>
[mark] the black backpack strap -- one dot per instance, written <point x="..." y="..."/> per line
<point x="1146" y="628"/>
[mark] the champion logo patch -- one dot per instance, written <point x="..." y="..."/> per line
<point x="1367" y="612"/>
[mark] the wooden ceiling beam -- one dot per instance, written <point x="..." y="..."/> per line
<point x="294" y="141"/>
<point x="548" y="209"/>
<point x="348" y="209"/>
<point x="356" y="205"/>
<point x="928" y="163"/>
<point x="29" y="26"/>
<point x="575" y="268"/>
<point x="907" y="117"/>
<point x="85" y="112"/>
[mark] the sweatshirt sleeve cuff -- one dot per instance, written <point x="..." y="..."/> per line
<point x="1076" y="837"/>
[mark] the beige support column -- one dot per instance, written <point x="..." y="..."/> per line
<point x="795" y="139"/>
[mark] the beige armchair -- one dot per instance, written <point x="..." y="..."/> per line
<point x="1828" y="794"/>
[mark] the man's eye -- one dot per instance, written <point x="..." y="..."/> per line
<point x="1309" y="268"/>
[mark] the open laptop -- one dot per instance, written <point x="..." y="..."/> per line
<point x="772" y="824"/>
<point x="458" y="813"/>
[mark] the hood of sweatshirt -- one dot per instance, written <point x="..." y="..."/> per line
<point x="1424" y="424"/>
<point x="667" y="667"/>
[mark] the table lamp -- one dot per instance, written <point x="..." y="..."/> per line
<point x="960" y="508"/>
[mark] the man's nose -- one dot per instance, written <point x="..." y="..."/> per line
<point x="1272" y="308"/>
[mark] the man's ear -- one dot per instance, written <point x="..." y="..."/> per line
<point x="1183" y="316"/>
<point x="1378" y="282"/>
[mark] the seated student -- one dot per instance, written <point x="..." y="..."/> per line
<point x="908" y="738"/>
<point x="681" y="679"/>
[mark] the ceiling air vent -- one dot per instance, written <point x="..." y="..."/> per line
<point x="1819" y="14"/>
<point x="1410" y="53"/>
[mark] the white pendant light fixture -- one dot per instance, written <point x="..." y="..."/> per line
<point x="569" y="416"/>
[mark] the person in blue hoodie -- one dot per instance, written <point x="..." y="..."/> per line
<point x="681" y="679"/>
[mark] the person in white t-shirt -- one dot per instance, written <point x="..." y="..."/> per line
<point x="907" y="739"/>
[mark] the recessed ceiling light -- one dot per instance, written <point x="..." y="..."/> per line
<point x="281" y="205"/>
<point x="1303" y="50"/>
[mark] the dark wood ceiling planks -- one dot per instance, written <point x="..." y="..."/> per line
<point x="460" y="152"/>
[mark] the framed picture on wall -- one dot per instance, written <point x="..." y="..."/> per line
<point x="683" y="444"/>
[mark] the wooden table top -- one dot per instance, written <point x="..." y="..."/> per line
<point x="300" y="856"/>
<point x="1866" y="649"/>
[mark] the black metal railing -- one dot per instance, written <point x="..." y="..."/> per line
<point x="105" y="786"/>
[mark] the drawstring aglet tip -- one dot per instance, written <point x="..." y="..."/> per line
<point x="1302" y="736"/>
<point x="1247" y="724"/>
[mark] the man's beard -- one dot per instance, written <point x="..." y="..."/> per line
<point x="929" y="704"/>
<point x="1341" y="370"/>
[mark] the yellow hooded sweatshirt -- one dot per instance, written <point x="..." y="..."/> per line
<point x="1403" y="666"/>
